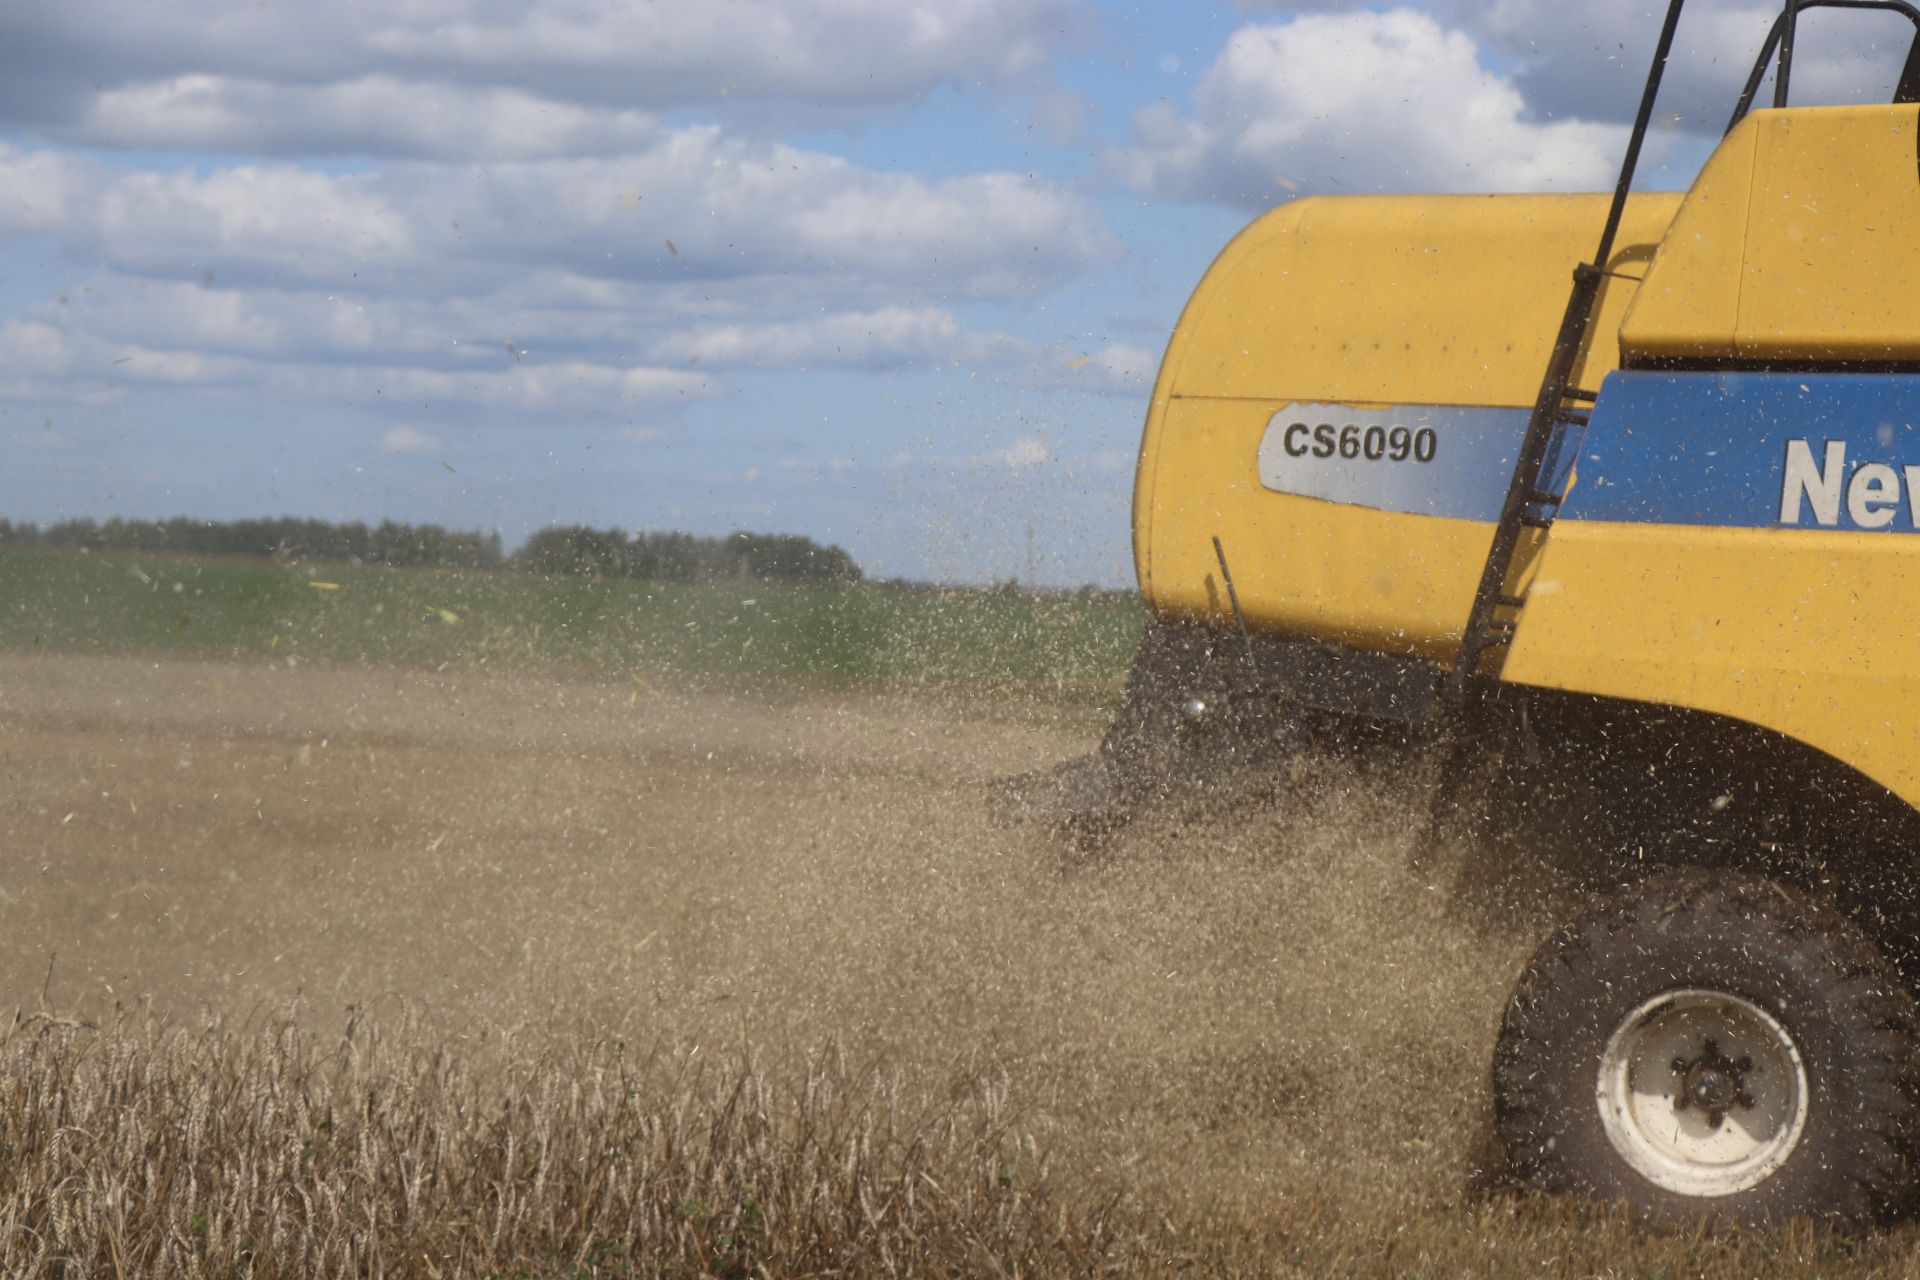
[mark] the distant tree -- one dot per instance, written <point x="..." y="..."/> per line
<point x="577" y="550"/>
<point x="788" y="557"/>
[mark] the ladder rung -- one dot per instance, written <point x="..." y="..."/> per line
<point x="1575" y="417"/>
<point x="1544" y="498"/>
<point x="1536" y="522"/>
<point x="1581" y="393"/>
<point x="1511" y="602"/>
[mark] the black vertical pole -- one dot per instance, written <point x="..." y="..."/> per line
<point x="1792" y="19"/>
<point x="1547" y="406"/>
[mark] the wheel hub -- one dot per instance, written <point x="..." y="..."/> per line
<point x="1712" y="1083"/>
<point x="1702" y="1092"/>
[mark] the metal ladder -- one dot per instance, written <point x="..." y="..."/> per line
<point x="1531" y="502"/>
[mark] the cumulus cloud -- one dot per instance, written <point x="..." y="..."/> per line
<point x="366" y="115"/>
<point x="1576" y="60"/>
<point x="274" y="221"/>
<point x="541" y="318"/>
<point x="36" y="351"/>
<point x="266" y="323"/>
<point x="1356" y="102"/>
<point x="720" y="53"/>
<point x="528" y="284"/>
<point x="733" y="208"/>
<point x="38" y="356"/>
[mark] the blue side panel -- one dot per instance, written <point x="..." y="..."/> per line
<point x="1753" y="450"/>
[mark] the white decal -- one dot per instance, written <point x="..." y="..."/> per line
<point x="1872" y="495"/>
<point x="1819" y="485"/>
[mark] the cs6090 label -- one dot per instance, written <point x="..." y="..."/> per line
<point x="1424" y="459"/>
<point x="1373" y="443"/>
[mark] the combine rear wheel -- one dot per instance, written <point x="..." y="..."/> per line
<point x="1711" y="1045"/>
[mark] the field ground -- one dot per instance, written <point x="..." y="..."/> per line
<point x="1266" y="1033"/>
<point x="502" y="818"/>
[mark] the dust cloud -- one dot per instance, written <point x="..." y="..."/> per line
<point x="1286" y="996"/>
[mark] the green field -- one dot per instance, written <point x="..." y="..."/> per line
<point x="1074" y="646"/>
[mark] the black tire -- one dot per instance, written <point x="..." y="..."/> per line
<point x="1640" y="974"/>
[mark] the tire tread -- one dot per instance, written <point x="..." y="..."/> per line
<point x="1770" y="920"/>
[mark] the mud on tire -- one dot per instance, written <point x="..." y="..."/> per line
<point x="1710" y="1044"/>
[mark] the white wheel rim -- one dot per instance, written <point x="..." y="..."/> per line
<point x="1702" y="1092"/>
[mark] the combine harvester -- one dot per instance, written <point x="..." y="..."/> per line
<point x="1682" y="568"/>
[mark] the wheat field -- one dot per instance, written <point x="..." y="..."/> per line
<point x="341" y="971"/>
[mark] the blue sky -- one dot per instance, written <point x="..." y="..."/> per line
<point x="891" y="273"/>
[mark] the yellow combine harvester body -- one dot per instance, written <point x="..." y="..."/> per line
<point x="1605" y="507"/>
<point x="1737" y="533"/>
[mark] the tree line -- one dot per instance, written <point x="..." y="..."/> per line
<point x="682" y="557"/>
<point x="567" y="550"/>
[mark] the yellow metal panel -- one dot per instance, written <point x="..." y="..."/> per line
<point x="1799" y="241"/>
<point x="1145" y="469"/>
<point x="1807" y="632"/>
<point x="1416" y="300"/>
<point x="1382" y="580"/>
<point x="1688" y="306"/>
<point x="1832" y="265"/>
<point x="1405" y="300"/>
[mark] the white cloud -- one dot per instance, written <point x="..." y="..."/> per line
<point x="249" y="322"/>
<point x="31" y="344"/>
<point x="527" y="284"/>
<point x="1117" y="367"/>
<point x="270" y="221"/>
<point x="533" y="239"/>
<point x="35" y="352"/>
<point x="79" y="70"/>
<point x="1127" y="364"/>
<point x="540" y="318"/>
<point x="731" y="208"/>
<point x="404" y="439"/>
<point x="889" y="337"/>
<point x="366" y="115"/>
<point x="1579" y="60"/>
<point x="1359" y="102"/>
<point x="570" y="386"/>
<point x="36" y="355"/>
<point x="1024" y="454"/>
